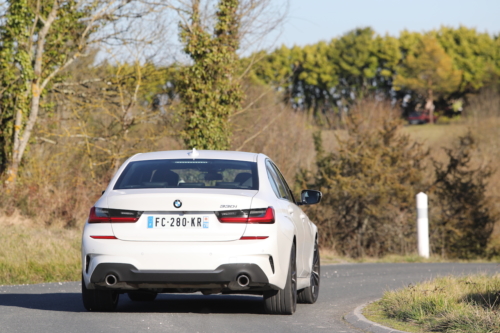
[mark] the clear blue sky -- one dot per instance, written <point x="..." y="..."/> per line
<point x="309" y="21"/>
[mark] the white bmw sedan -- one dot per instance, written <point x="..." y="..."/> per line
<point x="200" y="221"/>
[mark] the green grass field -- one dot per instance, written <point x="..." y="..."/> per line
<point x="437" y="135"/>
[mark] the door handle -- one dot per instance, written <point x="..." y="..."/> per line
<point x="303" y="216"/>
<point x="290" y="211"/>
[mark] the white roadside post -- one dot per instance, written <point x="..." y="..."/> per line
<point x="422" y="225"/>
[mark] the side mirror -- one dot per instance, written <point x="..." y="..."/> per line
<point x="310" y="197"/>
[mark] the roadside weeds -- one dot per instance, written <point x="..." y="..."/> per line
<point x="446" y="304"/>
<point x="328" y="256"/>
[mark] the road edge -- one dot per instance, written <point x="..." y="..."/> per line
<point x="357" y="319"/>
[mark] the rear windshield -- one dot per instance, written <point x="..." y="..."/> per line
<point x="224" y="174"/>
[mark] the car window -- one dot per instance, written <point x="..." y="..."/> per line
<point x="272" y="181"/>
<point x="285" y="185"/>
<point x="282" y="192"/>
<point x="278" y="188"/>
<point x="199" y="173"/>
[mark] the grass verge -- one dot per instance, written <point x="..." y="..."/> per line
<point x="35" y="255"/>
<point x="447" y="304"/>
<point x="329" y="256"/>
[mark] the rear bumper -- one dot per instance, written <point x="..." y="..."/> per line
<point x="224" y="274"/>
<point x="181" y="264"/>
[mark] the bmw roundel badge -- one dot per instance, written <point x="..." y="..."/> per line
<point x="177" y="203"/>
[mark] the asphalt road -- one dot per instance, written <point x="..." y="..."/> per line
<point x="57" y="307"/>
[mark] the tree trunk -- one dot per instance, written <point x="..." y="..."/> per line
<point x="429" y="106"/>
<point x="22" y="130"/>
<point x="21" y="140"/>
<point x="11" y="173"/>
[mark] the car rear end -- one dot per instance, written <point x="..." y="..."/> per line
<point x="172" y="222"/>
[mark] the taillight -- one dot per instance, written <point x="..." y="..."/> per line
<point x="126" y="216"/>
<point x="104" y="215"/>
<point x="232" y="216"/>
<point x="262" y="215"/>
<point x="98" y="215"/>
<point x="258" y="215"/>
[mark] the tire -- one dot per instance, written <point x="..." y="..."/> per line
<point x="284" y="301"/>
<point x="99" y="300"/>
<point x="142" y="296"/>
<point x="310" y="294"/>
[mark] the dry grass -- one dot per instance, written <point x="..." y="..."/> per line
<point x="447" y="304"/>
<point x="30" y="253"/>
<point x="330" y="256"/>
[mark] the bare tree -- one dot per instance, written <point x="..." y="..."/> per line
<point x="40" y="39"/>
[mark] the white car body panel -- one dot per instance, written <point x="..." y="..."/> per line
<point x="151" y="249"/>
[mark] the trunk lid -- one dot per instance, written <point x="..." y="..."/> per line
<point x="194" y="220"/>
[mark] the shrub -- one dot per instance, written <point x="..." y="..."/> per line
<point x="369" y="184"/>
<point x="465" y="215"/>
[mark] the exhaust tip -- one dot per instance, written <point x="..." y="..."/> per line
<point x="111" y="279"/>
<point x="243" y="280"/>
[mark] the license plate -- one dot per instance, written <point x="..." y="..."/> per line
<point x="176" y="221"/>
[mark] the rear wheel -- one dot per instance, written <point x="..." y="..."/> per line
<point x="142" y="296"/>
<point x="99" y="300"/>
<point x="310" y="294"/>
<point x="284" y="301"/>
